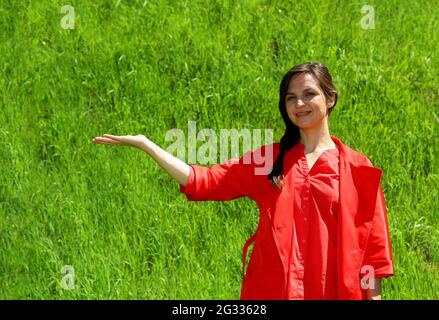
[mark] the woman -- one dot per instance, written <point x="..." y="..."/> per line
<point x="323" y="230"/>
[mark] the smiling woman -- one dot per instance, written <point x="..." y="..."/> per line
<point x="307" y="98"/>
<point x="323" y="219"/>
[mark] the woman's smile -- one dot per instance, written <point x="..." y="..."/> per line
<point x="301" y="114"/>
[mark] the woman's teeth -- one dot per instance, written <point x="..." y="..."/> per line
<point x="303" y="113"/>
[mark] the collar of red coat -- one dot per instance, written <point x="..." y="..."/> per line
<point x="348" y="156"/>
<point x="359" y="180"/>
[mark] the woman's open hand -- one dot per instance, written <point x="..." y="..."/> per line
<point x="175" y="167"/>
<point x="138" y="141"/>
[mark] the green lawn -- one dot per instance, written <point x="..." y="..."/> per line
<point x="145" y="67"/>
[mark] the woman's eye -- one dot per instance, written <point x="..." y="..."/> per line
<point x="309" y="94"/>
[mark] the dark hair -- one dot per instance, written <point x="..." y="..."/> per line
<point x="292" y="133"/>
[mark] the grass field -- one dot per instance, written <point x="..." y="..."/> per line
<point x="145" y="67"/>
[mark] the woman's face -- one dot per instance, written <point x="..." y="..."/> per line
<point x="305" y="102"/>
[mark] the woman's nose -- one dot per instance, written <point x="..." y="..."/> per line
<point x="300" y="102"/>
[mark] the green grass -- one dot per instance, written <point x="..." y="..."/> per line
<point x="144" y="67"/>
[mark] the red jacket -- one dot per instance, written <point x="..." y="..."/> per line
<point x="362" y="227"/>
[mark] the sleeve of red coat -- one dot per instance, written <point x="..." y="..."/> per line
<point x="379" y="251"/>
<point x="230" y="180"/>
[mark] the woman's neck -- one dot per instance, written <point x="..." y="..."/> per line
<point x="317" y="138"/>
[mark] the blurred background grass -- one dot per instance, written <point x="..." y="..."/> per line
<point x="145" y="67"/>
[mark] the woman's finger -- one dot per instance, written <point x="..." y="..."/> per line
<point x="111" y="137"/>
<point x="104" y="140"/>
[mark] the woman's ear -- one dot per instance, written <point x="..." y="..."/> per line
<point x="331" y="102"/>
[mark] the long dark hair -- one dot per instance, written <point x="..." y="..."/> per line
<point x="292" y="133"/>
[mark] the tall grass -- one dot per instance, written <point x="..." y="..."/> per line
<point x="144" y="67"/>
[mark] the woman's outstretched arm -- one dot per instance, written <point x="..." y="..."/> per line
<point x="176" y="168"/>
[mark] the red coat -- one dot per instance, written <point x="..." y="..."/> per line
<point x="362" y="227"/>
